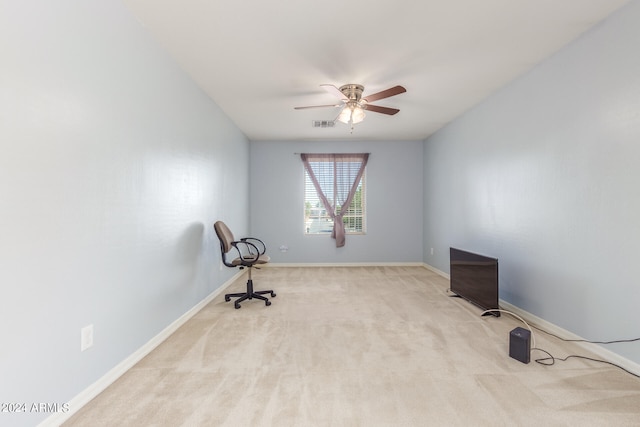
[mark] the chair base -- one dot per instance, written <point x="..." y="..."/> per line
<point x="250" y="294"/>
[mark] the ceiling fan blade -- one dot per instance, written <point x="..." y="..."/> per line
<point x="379" y="109"/>
<point x="317" y="106"/>
<point x="334" y="91"/>
<point x="396" y="90"/>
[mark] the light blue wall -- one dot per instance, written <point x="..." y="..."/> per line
<point x="394" y="203"/>
<point x="544" y="175"/>
<point x="113" y="167"/>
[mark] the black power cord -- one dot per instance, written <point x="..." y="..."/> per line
<point x="587" y="341"/>
<point x="545" y="360"/>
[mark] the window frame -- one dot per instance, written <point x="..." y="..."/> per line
<point x="361" y="194"/>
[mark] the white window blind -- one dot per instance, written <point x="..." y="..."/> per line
<point x="316" y="218"/>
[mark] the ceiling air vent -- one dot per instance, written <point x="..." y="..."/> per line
<point x="323" y="123"/>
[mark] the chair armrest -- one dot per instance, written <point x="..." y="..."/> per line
<point x="251" y="254"/>
<point x="256" y="243"/>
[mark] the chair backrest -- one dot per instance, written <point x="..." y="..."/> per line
<point x="225" y="235"/>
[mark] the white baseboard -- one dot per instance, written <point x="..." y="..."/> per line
<point x="602" y="352"/>
<point x="346" y="264"/>
<point x="435" y="270"/>
<point x="110" y="377"/>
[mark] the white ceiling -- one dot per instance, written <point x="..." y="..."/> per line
<point x="259" y="59"/>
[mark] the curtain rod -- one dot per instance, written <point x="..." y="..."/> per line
<point x="297" y="154"/>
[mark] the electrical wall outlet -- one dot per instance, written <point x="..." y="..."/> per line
<point x="431" y="251"/>
<point x="86" y="337"/>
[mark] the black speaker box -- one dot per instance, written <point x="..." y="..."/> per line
<point x="520" y="344"/>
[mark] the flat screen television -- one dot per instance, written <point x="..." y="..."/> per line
<point x="474" y="277"/>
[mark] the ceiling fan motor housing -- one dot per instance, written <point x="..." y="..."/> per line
<point x="352" y="91"/>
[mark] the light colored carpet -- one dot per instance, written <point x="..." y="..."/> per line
<point x="358" y="346"/>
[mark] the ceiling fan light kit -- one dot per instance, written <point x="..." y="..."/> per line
<point x="353" y="104"/>
<point x="351" y="113"/>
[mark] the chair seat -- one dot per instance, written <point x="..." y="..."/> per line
<point x="262" y="259"/>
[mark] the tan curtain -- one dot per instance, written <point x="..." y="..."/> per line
<point x="336" y="177"/>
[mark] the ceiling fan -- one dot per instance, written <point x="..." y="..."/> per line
<point x="353" y="104"/>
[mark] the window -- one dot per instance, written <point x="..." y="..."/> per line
<point x="318" y="221"/>
<point x="342" y="179"/>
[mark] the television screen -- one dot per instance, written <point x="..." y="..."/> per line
<point x="474" y="277"/>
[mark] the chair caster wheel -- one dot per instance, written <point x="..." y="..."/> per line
<point x="267" y="303"/>
<point x="273" y="294"/>
<point x="227" y="299"/>
<point x="237" y="306"/>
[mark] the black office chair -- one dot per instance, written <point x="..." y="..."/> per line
<point x="251" y="251"/>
